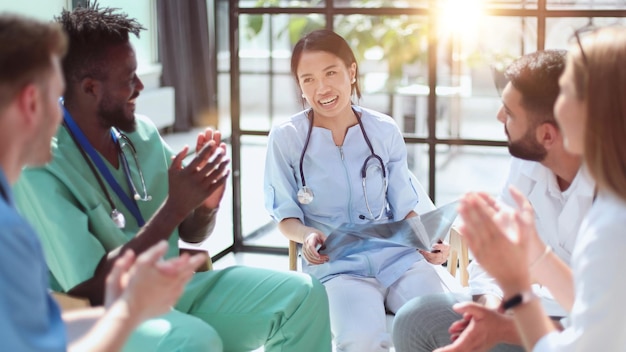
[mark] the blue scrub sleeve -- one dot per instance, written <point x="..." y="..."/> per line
<point x="280" y="185"/>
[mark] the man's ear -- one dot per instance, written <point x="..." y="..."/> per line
<point x="29" y="104"/>
<point x="90" y="87"/>
<point x="547" y="134"/>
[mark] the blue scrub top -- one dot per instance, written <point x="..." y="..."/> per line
<point x="30" y="320"/>
<point x="334" y="174"/>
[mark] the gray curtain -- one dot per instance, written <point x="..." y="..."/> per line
<point x="187" y="55"/>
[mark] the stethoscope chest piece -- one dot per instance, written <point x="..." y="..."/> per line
<point x="118" y="219"/>
<point x="305" y="195"/>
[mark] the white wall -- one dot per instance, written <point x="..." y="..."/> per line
<point x="142" y="10"/>
<point x="155" y="102"/>
<point x="41" y="9"/>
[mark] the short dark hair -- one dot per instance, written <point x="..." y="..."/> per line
<point x="330" y="42"/>
<point x="536" y="77"/>
<point x="26" y="48"/>
<point x="92" y="31"/>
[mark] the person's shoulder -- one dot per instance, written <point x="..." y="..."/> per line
<point x="297" y="122"/>
<point x="373" y="114"/>
<point x="383" y="121"/>
<point x="11" y="220"/>
<point x="145" y="126"/>
<point x="527" y="168"/>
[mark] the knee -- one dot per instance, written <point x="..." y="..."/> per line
<point x="308" y="291"/>
<point x="186" y="335"/>
<point x="360" y="340"/>
<point x="194" y="335"/>
<point x="424" y="321"/>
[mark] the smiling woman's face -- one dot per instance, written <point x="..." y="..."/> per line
<point x="326" y="82"/>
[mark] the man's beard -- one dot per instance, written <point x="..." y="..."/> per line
<point x="112" y="115"/>
<point x="527" y="147"/>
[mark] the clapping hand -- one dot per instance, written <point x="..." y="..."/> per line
<point x="501" y="240"/>
<point x="214" y="140"/>
<point x="202" y="181"/>
<point x="132" y="281"/>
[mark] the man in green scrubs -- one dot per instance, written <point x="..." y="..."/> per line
<point x="114" y="184"/>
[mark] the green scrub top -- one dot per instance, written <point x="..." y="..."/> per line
<point x="71" y="213"/>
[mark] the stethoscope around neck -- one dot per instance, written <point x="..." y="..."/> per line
<point x="305" y="193"/>
<point x="94" y="161"/>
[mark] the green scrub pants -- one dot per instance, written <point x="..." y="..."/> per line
<point x="241" y="309"/>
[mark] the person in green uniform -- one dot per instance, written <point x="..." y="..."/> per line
<point x="113" y="184"/>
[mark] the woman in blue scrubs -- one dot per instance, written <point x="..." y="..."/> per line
<point x="337" y="163"/>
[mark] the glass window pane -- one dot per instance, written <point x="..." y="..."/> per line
<point x="382" y="3"/>
<point x="280" y="3"/>
<point x="586" y="4"/>
<point x="392" y="51"/>
<point x="461" y="169"/>
<point x="511" y="4"/>
<point x="254" y="102"/>
<point x="254" y="43"/>
<point x="468" y="62"/>
<point x="223" y="103"/>
<point x="417" y="160"/>
<point x="256" y="222"/>
<point x="559" y="31"/>
<point x="222" y="237"/>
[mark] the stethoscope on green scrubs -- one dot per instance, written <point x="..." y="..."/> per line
<point x="305" y="193"/>
<point x="92" y="158"/>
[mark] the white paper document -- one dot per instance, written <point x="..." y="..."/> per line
<point x="420" y="232"/>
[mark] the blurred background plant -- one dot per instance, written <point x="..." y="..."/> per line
<point x="396" y="42"/>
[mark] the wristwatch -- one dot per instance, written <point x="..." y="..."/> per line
<point x="517" y="300"/>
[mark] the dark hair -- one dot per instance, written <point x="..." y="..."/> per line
<point x="26" y="49"/>
<point x="92" y="31"/>
<point x="330" y="42"/>
<point x="536" y="77"/>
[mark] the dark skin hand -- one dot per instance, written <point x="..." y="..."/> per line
<point x="189" y="187"/>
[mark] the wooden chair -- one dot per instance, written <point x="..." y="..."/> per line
<point x="69" y="302"/>
<point x="458" y="256"/>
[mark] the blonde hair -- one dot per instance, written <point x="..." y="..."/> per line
<point x="600" y="80"/>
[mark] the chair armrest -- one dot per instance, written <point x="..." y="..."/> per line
<point x="293" y="255"/>
<point x="458" y="256"/>
<point x="206" y="265"/>
<point x="69" y="303"/>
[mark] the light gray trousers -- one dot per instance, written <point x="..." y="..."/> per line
<point x="421" y="325"/>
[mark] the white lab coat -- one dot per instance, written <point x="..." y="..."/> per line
<point x="558" y="217"/>
<point x="598" y="321"/>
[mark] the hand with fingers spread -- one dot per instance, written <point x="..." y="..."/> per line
<point x="311" y="243"/>
<point x="212" y="139"/>
<point x="502" y="241"/>
<point x="132" y="281"/>
<point x="195" y="184"/>
<point x="438" y="255"/>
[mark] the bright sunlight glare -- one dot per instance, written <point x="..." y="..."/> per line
<point x="460" y="17"/>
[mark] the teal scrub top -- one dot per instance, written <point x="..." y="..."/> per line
<point x="71" y="213"/>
